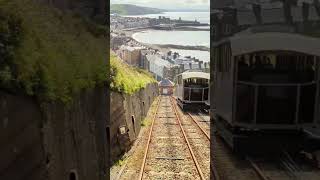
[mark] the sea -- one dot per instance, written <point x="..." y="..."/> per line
<point x="186" y="38"/>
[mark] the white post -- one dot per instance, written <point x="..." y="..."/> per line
<point x="202" y="93"/>
<point x="297" y="104"/>
<point x="256" y="91"/>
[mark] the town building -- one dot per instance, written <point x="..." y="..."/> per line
<point x="131" y="55"/>
<point x="117" y="41"/>
<point x="157" y="65"/>
<point x="171" y="72"/>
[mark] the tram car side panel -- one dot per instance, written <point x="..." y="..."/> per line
<point x="224" y="88"/>
<point x="178" y="92"/>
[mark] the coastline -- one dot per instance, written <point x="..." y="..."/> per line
<point x="162" y="47"/>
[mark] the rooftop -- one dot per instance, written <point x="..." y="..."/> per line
<point x="166" y="82"/>
<point x="158" y="60"/>
<point x="272" y="41"/>
<point x="131" y="48"/>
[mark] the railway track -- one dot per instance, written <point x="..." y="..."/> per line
<point x="178" y="148"/>
<point x="169" y="152"/>
<point x="281" y="167"/>
<point x="199" y="139"/>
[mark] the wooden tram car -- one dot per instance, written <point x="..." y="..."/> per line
<point x="266" y="90"/>
<point x="192" y="89"/>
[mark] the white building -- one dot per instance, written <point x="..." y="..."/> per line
<point x="156" y="65"/>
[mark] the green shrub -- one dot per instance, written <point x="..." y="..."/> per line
<point x="47" y="53"/>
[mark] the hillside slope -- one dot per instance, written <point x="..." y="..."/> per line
<point x="47" y="53"/>
<point x="127" y="79"/>
<point x="128" y="9"/>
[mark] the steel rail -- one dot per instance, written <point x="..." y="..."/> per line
<point x="203" y="131"/>
<point x="148" y="143"/>
<point x="187" y="141"/>
<point x="257" y="169"/>
<point x="213" y="169"/>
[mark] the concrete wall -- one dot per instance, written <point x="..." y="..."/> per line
<point x="53" y="141"/>
<point x="21" y="151"/>
<point x="125" y="108"/>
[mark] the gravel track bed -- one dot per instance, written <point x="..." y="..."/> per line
<point x="198" y="141"/>
<point x="168" y="156"/>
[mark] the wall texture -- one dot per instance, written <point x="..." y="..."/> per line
<point x="20" y="139"/>
<point x="128" y="112"/>
<point x="53" y="141"/>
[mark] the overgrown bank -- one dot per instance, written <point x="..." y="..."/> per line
<point x="47" y="53"/>
<point x="127" y="79"/>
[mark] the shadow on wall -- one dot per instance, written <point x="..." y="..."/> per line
<point x="127" y="112"/>
<point x="51" y="141"/>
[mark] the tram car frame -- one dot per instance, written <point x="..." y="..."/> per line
<point x="266" y="91"/>
<point x="192" y="89"/>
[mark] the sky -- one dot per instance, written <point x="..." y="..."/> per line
<point x="167" y="4"/>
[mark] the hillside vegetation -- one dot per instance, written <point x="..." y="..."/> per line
<point x="49" y="54"/>
<point x="127" y="79"/>
<point x="128" y="9"/>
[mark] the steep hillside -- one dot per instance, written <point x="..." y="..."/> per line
<point x="128" y="9"/>
<point x="47" y="53"/>
<point x="127" y="79"/>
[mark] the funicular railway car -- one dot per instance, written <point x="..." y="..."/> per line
<point x="192" y="89"/>
<point x="266" y="90"/>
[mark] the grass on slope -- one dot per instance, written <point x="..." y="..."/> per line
<point x="48" y="54"/>
<point x="128" y="9"/>
<point x="127" y="79"/>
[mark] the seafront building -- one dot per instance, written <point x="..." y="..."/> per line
<point x="131" y="55"/>
<point x="157" y="65"/>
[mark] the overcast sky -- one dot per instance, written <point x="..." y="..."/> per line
<point x="168" y="4"/>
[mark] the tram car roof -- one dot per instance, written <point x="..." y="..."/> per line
<point x="192" y="74"/>
<point x="271" y="41"/>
